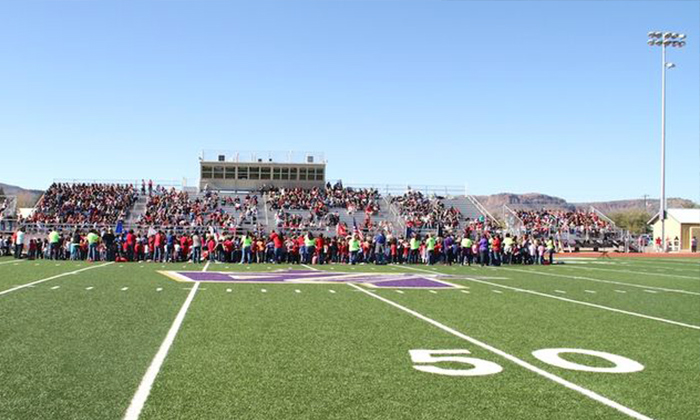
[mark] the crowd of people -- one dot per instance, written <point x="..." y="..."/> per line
<point x="277" y="247"/>
<point x="171" y="208"/>
<point x="548" y="222"/>
<point x="420" y="211"/>
<point x="84" y="204"/>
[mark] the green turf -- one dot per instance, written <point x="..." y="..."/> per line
<point x="68" y="352"/>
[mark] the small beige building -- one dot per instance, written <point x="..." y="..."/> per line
<point x="683" y="224"/>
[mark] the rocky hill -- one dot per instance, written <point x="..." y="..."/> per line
<point x="25" y="198"/>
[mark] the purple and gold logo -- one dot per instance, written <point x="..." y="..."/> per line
<point x="379" y="280"/>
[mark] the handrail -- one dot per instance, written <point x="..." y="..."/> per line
<point x="395" y="213"/>
<point x="482" y="209"/>
<point x="602" y="216"/>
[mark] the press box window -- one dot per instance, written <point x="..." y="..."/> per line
<point x="230" y="172"/>
<point x="206" y="172"/>
<point x="264" y="173"/>
<point x="254" y="172"/>
<point x="243" y="172"/>
<point x="276" y="173"/>
<point x="218" y="172"/>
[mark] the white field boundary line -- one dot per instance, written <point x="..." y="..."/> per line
<point x="144" y="389"/>
<point x="644" y="273"/>
<point x="52" y="278"/>
<point x="522" y="363"/>
<point x="12" y="261"/>
<point x="619" y="283"/>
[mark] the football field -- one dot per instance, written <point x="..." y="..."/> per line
<point x="587" y="339"/>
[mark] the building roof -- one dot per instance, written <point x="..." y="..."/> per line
<point x="682" y="216"/>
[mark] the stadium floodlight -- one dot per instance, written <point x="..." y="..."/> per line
<point x="664" y="40"/>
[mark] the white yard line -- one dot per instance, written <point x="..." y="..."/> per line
<point x="619" y="283"/>
<point x="144" y="389"/>
<point x="51" y="278"/>
<point x="310" y="267"/>
<point x="593" y="305"/>
<point x="644" y="273"/>
<point x="522" y="363"/>
<point x="12" y="261"/>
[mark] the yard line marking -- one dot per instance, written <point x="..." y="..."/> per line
<point x="310" y="267"/>
<point x="124" y="289"/>
<point x="14" y="261"/>
<point x="144" y="389"/>
<point x="263" y="290"/>
<point x="297" y="291"/>
<point x="399" y="292"/>
<point x="465" y="291"/>
<point x="621" y="291"/>
<point x="650" y="291"/>
<point x="159" y="289"/>
<point x="593" y="305"/>
<point x="229" y="290"/>
<point x="644" y="273"/>
<point x="55" y="287"/>
<point x="560" y="291"/>
<point x="522" y="363"/>
<point x="433" y="291"/>
<point x="496" y="291"/>
<point x="89" y="288"/>
<point x="331" y="290"/>
<point x="590" y="291"/>
<point x="51" y="278"/>
<point x="619" y="283"/>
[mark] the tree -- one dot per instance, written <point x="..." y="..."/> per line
<point x="633" y="220"/>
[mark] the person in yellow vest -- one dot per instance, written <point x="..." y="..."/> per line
<point x="466" y="245"/>
<point x="354" y="248"/>
<point x="310" y="244"/>
<point x="54" y="238"/>
<point x="430" y="249"/>
<point x="550" y="249"/>
<point x="413" y="254"/>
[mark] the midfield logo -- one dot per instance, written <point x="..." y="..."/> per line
<point x="379" y="280"/>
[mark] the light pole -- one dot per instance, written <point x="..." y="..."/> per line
<point x="663" y="40"/>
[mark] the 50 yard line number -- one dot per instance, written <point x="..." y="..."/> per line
<point x="425" y="359"/>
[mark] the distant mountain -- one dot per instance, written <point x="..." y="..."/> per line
<point x="25" y="198"/>
<point x="534" y="201"/>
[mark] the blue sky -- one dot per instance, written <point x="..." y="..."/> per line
<point x="561" y="98"/>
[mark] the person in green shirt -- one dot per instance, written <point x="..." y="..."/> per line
<point x="93" y="240"/>
<point x="430" y="249"/>
<point x="551" y="249"/>
<point x="414" y="245"/>
<point x="246" y="243"/>
<point x="54" y="238"/>
<point x="354" y="248"/>
<point x="310" y="245"/>
<point x="466" y="244"/>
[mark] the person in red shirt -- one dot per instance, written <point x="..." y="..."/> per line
<point x="185" y="247"/>
<point x="130" y="245"/>
<point x="278" y="242"/>
<point x="320" y="242"/>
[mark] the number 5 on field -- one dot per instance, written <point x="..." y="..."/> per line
<point x="479" y="367"/>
